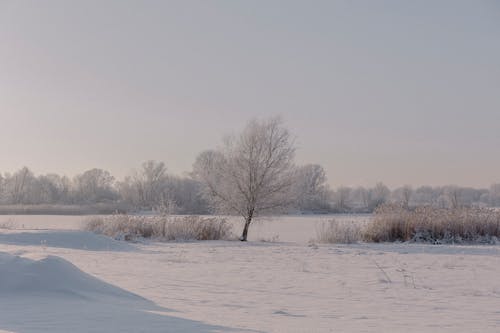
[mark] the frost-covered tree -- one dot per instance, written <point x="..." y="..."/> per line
<point x="403" y="195"/>
<point x="150" y="181"/>
<point x="94" y="186"/>
<point x="454" y="195"/>
<point x="380" y="195"/>
<point x="494" y="195"/>
<point x="311" y="189"/>
<point x="147" y="187"/>
<point x="152" y="188"/>
<point x="426" y="195"/>
<point x="252" y="173"/>
<point x="341" y="197"/>
<point x="361" y="199"/>
<point x="45" y="190"/>
<point x="18" y="186"/>
<point x="185" y="194"/>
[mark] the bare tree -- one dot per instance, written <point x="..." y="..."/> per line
<point x="361" y="198"/>
<point x="95" y="185"/>
<point x="407" y="191"/>
<point x="453" y="193"/>
<point x="403" y="195"/>
<point x="342" y="196"/>
<point x="18" y="185"/>
<point x="380" y="195"/>
<point x="252" y="173"/>
<point x="311" y="189"/>
<point x="494" y="195"/>
<point x="146" y="187"/>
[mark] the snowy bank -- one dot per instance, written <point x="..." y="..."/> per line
<point x="53" y="295"/>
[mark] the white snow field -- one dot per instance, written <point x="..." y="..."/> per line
<point x="60" y="279"/>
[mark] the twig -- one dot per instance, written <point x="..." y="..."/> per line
<point x="382" y="270"/>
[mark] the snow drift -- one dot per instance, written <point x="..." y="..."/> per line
<point x="53" y="295"/>
<point x="52" y="275"/>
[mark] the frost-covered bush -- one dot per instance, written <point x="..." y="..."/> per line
<point x="165" y="228"/>
<point x="344" y="232"/>
<point x="195" y="228"/>
<point x="434" y="225"/>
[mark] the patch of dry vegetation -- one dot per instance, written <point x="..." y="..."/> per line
<point x="342" y="232"/>
<point x="427" y="224"/>
<point x="164" y="228"/>
<point x="434" y="225"/>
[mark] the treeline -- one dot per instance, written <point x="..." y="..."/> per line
<point x="152" y="188"/>
<point x="360" y="199"/>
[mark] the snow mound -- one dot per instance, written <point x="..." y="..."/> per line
<point x="55" y="276"/>
<point x="79" y="240"/>
<point x="53" y="295"/>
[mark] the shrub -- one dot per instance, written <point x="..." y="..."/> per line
<point x="344" y="232"/>
<point x="436" y="225"/>
<point x="166" y="228"/>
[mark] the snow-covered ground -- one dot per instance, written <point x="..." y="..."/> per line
<point x="61" y="279"/>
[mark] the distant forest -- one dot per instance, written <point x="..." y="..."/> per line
<point x="153" y="189"/>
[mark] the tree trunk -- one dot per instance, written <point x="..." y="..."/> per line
<point x="243" y="237"/>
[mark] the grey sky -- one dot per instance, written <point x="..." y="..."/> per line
<point x="404" y="92"/>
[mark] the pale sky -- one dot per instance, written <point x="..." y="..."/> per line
<point x="404" y="92"/>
